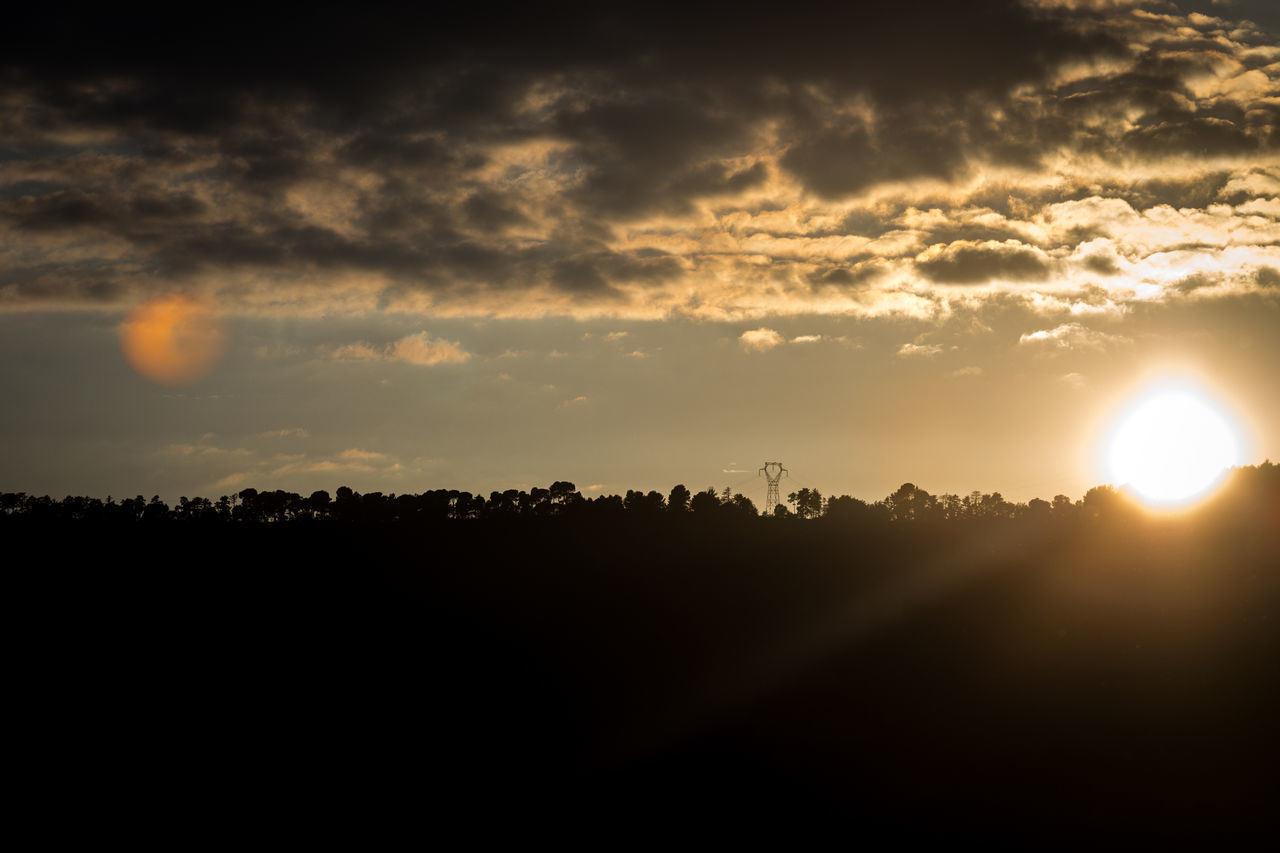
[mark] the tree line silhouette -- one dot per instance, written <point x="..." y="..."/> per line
<point x="1254" y="485"/>
<point x="921" y="665"/>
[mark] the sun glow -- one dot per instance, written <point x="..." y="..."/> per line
<point x="1172" y="446"/>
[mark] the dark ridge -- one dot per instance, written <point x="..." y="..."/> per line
<point x="616" y="669"/>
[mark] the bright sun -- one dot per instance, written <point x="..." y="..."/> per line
<point x="1172" y="446"/>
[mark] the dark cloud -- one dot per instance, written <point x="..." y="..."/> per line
<point x="495" y="149"/>
<point x="841" y="162"/>
<point x="91" y="283"/>
<point x="1195" y="191"/>
<point x="73" y="210"/>
<point x="590" y="271"/>
<point x="56" y="211"/>
<point x="1263" y="13"/>
<point x="385" y="149"/>
<point x="1205" y="137"/>
<point x="1182" y="189"/>
<point x="958" y="230"/>
<point x="648" y="155"/>
<point x="158" y="205"/>
<point x="596" y="272"/>
<point x="718" y="179"/>
<point x="486" y="211"/>
<point x="402" y="210"/>
<point x="1101" y="264"/>
<point x="1196" y="281"/>
<point x="219" y="246"/>
<point x="969" y="263"/>
<point x="866" y="223"/>
<point x="853" y="277"/>
<point x="579" y="274"/>
<point x="356" y="64"/>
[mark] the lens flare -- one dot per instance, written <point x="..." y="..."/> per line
<point x="1173" y="446"/>
<point x="172" y="339"/>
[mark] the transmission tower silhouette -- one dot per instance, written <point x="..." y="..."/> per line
<point x="773" y="472"/>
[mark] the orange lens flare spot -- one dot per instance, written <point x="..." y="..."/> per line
<point x="172" y="339"/>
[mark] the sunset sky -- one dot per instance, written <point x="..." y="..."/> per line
<point x="632" y="247"/>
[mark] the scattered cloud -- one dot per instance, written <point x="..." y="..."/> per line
<point x="233" y="467"/>
<point x="964" y="372"/>
<point x="918" y="350"/>
<point x="295" y="432"/>
<point x="357" y="352"/>
<point x="204" y="449"/>
<point x="1072" y="336"/>
<point x="275" y="351"/>
<point x="759" y="340"/>
<point x="419" y="348"/>
<point x="422" y="349"/>
<point x="357" y="453"/>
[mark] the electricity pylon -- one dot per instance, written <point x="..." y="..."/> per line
<point x="773" y="472"/>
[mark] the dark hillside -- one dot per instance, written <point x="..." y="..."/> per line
<point x="1034" y="678"/>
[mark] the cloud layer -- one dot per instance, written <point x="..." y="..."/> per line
<point x="574" y="161"/>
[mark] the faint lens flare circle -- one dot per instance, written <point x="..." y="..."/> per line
<point x="1172" y="444"/>
<point x="172" y="339"/>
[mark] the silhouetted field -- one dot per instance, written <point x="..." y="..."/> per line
<point x="609" y="676"/>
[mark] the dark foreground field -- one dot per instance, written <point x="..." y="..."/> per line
<point x="1037" y="682"/>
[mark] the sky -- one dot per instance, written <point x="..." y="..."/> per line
<point x="942" y="243"/>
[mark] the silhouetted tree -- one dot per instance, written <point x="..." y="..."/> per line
<point x="464" y="505"/>
<point x="806" y="503"/>
<point x="247" y="507"/>
<point x="1038" y="509"/>
<point x="739" y="506"/>
<point x="319" y="502"/>
<point x="845" y="508"/>
<point x="537" y="502"/>
<point x="678" y="500"/>
<point x="988" y="506"/>
<point x="1100" y="502"/>
<point x="156" y="510"/>
<point x="910" y="503"/>
<point x="504" y="504"/>
<point x="564" y="495"/>
<point x="705" y="502"/>
<point x="608" y="505"/>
